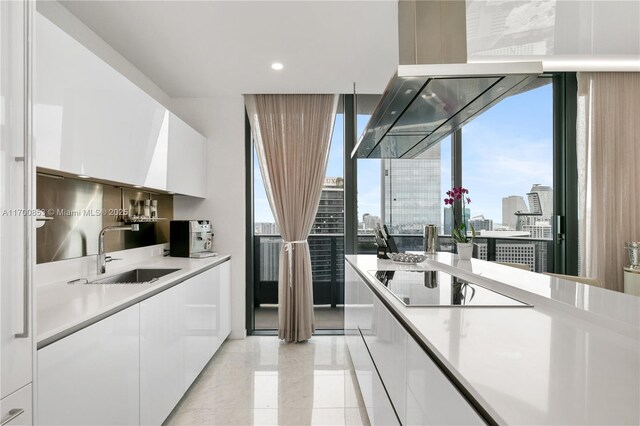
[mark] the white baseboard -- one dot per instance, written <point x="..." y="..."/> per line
<point x="238" y="334"/>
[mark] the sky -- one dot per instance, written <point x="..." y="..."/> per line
<point x="504" y="152"/>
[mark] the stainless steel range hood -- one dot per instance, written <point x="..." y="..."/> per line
<point x="425" y="102"/>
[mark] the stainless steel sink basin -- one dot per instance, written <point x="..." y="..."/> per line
<point x="135" y="276"/>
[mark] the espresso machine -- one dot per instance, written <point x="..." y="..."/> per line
<point x="191" y="238"/>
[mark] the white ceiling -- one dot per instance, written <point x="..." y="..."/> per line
<point x="209" y="48"/>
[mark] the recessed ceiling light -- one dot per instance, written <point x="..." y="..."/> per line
<point x="137" y="186"/>
<point x="83" y="176"/>
<point x="277" y="66"/>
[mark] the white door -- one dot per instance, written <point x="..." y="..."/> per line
<point x="16" y="347"/>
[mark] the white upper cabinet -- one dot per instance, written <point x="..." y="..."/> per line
<point x="91" y="120"/>
<point x="88" y="118"/>
<point x="187" y="173"/>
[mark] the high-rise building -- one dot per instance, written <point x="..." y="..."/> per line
<point x="326" y="250"/>
<point x="479" y="223"/>
<point x="543" y="202"/>
<point x="510" y="206"/>
<point x="411" y="193"/>
<point x="448" y="220"/>
<point x="540" y="229"/>
<point x="265" y="228"/>
<point x="330" y="216"/>
<point x="369" y="221"/>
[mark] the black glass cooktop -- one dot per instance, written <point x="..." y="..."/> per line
<point x="436" y="288"/>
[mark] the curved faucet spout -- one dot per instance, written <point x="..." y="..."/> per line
<point x="102" y="263"/>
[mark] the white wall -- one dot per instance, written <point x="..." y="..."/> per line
<point x="221" y="120"/>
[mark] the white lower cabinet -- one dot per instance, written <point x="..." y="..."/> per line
<point x="379" y="407"/>
<point x="16" y="408"/>
<point x="92" y="376"/>
<point x="134" y="366"/>
<point x="161" y="355"/>
<point x="225" y="302"/>
<point x="396" y="376"/>
<point x="431" y="397"/>
<point x="387" y="342"/>
<point x="202" y="321"/>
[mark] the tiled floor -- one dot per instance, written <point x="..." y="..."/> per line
<point x="325" y="317"/>
<point x="261" y="381"/>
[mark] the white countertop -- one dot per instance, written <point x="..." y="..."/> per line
<point x="573" y="358"/>
<point x="63" y="308"/>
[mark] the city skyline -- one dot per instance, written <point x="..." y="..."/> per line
<point x="503" y="155"/>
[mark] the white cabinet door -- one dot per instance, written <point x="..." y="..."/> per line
<point x="376" y="401"/>
<point x="361" y="308"/>
<point x="431" y="398"/>
<point x="201" y="320"/>
<point x="89" y="119"/>
<point x="351" y="284"/>
<point x="187" y="172"/>
<point x="18" y="408"/>
<point x="161" y="355"/>
<point x="92" y="376"/>
<point x="225" y="302"/>
<point x="16" y="331"/>
<point x="364" y="318"/>
<point x="387" y="341"/>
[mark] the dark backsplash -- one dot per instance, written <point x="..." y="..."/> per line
<point x="80" y="209"/>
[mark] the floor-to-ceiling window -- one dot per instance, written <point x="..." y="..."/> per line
<point x="326" y="243"/>
<point x="507" y="166"/>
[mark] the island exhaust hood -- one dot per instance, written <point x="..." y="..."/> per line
<point x="431" y="96"/>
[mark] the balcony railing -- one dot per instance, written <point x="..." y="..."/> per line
<point x="327" y="253"/>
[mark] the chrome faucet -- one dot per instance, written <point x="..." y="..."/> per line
<point x="102" y="261"/>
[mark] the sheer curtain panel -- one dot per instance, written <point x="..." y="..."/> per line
<point x="608" y="146"/>
<point x="292" y="135"/>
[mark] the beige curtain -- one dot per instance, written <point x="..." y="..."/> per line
<point x="608" y="148"/>
<point x="292" y="135"/>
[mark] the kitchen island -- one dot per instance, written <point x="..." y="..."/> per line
<point x="570" y="354"/>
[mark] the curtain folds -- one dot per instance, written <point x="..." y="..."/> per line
<point x="292" y="135"/>
<point x="608" y="147"/>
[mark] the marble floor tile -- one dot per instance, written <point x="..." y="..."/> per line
<point x="263" y="381"/>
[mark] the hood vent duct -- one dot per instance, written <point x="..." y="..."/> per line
<point x="430" y="97"/>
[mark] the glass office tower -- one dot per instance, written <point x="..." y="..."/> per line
<point x="411" y="195"/>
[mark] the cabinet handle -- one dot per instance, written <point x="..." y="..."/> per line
<point x="13" y="413"/>
<point x="27" y="173"/>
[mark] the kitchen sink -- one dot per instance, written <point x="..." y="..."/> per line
<point x="135" y="276"/>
